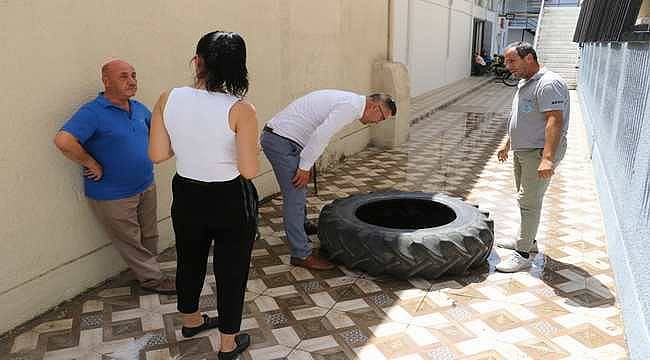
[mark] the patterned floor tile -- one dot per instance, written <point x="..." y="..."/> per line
<point x="564" y="307"/>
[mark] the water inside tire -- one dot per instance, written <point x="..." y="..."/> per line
<point x="406" y="213"/>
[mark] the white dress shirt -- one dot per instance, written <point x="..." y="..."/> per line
<point x="313" y="119"/>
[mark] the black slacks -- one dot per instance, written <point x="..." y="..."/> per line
<point x="223" y="213"/>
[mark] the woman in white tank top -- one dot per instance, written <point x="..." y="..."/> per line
<point x="212" y="133"/>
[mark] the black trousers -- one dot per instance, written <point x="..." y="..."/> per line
<point x="223" y="213"/>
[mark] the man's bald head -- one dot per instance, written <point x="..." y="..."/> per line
<point x="119" y="79"/>
<point x="112" y="64"/>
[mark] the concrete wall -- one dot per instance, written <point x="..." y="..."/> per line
<point x="433" y="38"/>
<point x="615" y="97"/>
<point x="644" y="13"/>
<point x="51" y="247"/>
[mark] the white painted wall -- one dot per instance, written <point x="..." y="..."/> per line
<point x="399" y="31"/>
<point x="460" y="49"/>
<point x="51" y="247"/>
<point x="427" y="56"/>
<point x="433" y="38"/>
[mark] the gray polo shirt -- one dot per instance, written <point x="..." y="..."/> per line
<point x="544" y="91"/>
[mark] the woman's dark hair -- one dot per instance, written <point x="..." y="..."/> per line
<point x="223" y="55"/>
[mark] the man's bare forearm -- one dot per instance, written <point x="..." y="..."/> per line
<point x="71" y="148"/>
<point x="552" y="135"/>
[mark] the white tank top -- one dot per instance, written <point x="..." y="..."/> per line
<point x="201" y="137"/>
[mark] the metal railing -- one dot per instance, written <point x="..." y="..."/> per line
<point x="566" y="3"/>
<point x="523" y="22"/>
<point x="614" y="89"/>
<point x="530" y="6"/>
<point x="534" y="6"/>
<point x="539" y="23"/>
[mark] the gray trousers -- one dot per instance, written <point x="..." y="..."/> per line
<point x="284" y="156"/>
<point x="132" y="227"/>
<point x="530" y="192"/>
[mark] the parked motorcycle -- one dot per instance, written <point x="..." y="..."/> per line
<point x="501" y="72"/>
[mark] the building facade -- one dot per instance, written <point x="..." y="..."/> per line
<point x="52" y="248"/>
<point x="614" y="88"/>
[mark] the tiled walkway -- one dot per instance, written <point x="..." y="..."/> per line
<point x="564" y="307"/>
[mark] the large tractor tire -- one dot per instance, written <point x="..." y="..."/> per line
<point x="406" y="234"/>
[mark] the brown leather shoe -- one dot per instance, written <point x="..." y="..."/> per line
<point x="165" y="286"/>
<point x="312" y="262"/>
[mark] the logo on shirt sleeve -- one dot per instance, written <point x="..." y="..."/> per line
<point x="556" y="102"/>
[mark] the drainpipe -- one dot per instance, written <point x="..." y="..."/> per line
<point x="391" y="18"/>
<point x="399" y="30"/>
<point x="409" y="30"/>
<point x="539" y="23"/>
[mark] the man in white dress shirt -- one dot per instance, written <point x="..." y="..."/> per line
<point x="294" y="139"/>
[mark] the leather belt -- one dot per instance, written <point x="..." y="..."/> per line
<point x="270" y="130"/>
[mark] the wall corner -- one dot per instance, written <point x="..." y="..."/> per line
<point x="392" y="78"/>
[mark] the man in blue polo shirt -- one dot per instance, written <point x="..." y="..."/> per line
<point x="109" y="137"/>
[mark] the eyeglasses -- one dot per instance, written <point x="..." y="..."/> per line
<point x="383" y="117"/>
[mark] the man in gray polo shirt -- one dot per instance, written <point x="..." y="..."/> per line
<point x="537" y="137"/>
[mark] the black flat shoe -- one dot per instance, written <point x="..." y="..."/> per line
<point x="243" y="341"/>
<point x="208" y="323"/>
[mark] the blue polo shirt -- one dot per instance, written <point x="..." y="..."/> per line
<point x="118" y="140"/>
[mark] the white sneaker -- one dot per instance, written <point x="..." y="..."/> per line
<point x="515" y="263"/>
<point x="510" y="243"/>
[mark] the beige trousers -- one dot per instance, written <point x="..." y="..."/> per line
<point x="530" y="192"/>
<point x="132" y="226"/>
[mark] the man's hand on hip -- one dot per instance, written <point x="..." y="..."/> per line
<point x="93" y="170"/>
<point x="545" y="169"/>
<point x="301" y="178"/>
<point x="502" y="154"/>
